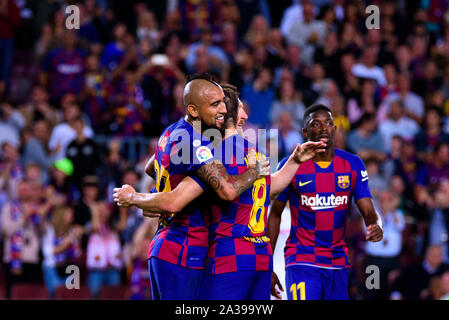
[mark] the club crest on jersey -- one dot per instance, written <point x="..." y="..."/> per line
<point x="203" y="154"/>
<point x="163" y="142"/>
<point x="343" y="181"/>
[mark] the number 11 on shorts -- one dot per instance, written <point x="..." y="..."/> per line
<point x="301" y="287"/>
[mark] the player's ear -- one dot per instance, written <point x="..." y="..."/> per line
<point x="304" y="133"/>
<point x="193" y="111"/>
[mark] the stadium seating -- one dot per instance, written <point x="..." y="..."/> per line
<point x="62" y="293"/>
<point x="29" y="291"/>
<point x="113" y="293"/>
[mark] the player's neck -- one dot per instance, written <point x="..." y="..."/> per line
<point x="231" y="131"/>
<point x="325" y="156"/>
<point x="195" y="123"/>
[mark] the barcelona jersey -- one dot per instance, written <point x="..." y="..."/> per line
<point x="319" y="199"/>
<point x="238" y="228"/>
<point x="183" y="240"/>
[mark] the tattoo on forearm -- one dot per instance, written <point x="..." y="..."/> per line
<point x="245" y="180"/>
<point x="211" y="173"/>
<point x="215" y="175"/>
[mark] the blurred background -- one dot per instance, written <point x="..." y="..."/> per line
<point x="81" y="111"/>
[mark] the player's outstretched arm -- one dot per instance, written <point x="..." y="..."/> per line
<point x="302" y="153"/>
<point x="174" y="201"/>
<point x="229" y="187"/>
<point x="373" y="221"/>
<point x="274" y="225"/>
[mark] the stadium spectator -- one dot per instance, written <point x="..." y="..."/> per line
<point x="293" y="64"/>
<point x="205" y="46"/>
<point x="289" y="100"/>
<point x="397" y="124"/>
<point x="347" y="82"/>
<point x="341" y="119"/>
<point x="412" y="282"/>
<point x="391" y="80"/>
<point x="104" y="252"/>
<point x="63" y="68"/>
<point x="83" y="208"/>
<point x="403" y="154"/>
<point x="329" y="55"/>
<point x="367" y="67"/>
<point x="439" y="219"/>
<point x="9" y="21"/>
<point x="11" y="122"/>
<point x="38" y="108"/>
<point x="329" y="93"/>
<point x="21" y="225"/>
<point x="377" y="182"/>
<point x="115" y="51"/>
<point x="64" y="133"/>
<point x="258" y="32"/>
<point x="140" y="285"/>
<point x="110" y="173"/>
<point x="83" y="153"/>
<point x="364" y="102"/>
<point x="385" y="254"/>
<point x="414" y="104"/>
<point x="431" y="173"/>
<point x="289" y="136"/>
<point x="148" y="29"/>
<point x="11" y="173"/>
<point x="60" y="247"/>
<point x="308" y="33"/>
<point x="129" y="219"/>
<point x="60" y="190"/>
<point x="366" y="141"/>
<point x="96" y="92"/>
<point x="427" y="138"/>
<point x="35" y="149"/>
<point x="259" y="95"/>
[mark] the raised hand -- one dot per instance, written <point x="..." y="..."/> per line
<point x="261" y="165"/>
<point x="123" y="196"/>
<point x="308" y="150"/>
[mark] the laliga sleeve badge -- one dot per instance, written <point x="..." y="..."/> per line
<point x="203" y="154"/>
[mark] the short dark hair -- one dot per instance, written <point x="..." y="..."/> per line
<point x="231" y="101"/>
<point x="203" y="76"/>
<point x="314" y="108"/>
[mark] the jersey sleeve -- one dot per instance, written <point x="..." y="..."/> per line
<point x="361" y="189"/>
<point x="190" y="152"/>
<point x="285" y="194"/>
<point x="202" y="154"/>
<point x="198" y="180"/>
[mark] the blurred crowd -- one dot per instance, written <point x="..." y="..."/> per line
<point x="121" y="76"/>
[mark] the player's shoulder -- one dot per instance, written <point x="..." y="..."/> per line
<point x="282" y="162"/>
<point x="354" y="160"/>
<point x="178" y="130"/>
<point x="242" y="143"/>
<point x="180" y="124"/>
<point x="348" y="156"/>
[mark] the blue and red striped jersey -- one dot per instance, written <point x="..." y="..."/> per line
<point x="319" y="201"/>
<point x="183" y="239"/>
<point x="238" y="228"/>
